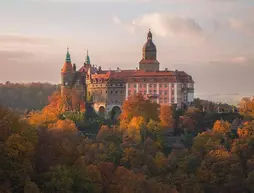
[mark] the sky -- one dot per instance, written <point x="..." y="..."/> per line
<point x="212" y="40"/>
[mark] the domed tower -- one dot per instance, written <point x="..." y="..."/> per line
<point x="67" y="73"/>
<point x="149" y="55"/>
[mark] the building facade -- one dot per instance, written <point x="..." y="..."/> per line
<point x="109" y="89"/>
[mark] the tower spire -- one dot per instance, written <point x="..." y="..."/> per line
<point x="68" y="56"/>
<point x="87" y="58"/>
<point x="149" y="35"/>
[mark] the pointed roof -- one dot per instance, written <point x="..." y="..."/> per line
<point x="68" y="56"/>
<point x="67" y="66"/>
<point x="87" y="58"/>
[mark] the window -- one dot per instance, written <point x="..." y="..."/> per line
<point x="154" y="85"/>
<point x="135" y="91"/>
<point x="121" y="84"/>
<point x="130" y="85"/>
<point x="160" y="85"/>
<point x="140" y="85"/>
<point x="144" y="85"/>
<point x="135" y="85"/>
<point x="116" y="92"/>
<point x="150" y="91"/>
<point x="150" y="85"/>
<point x="121" y="92"/>
<point x="165" y="100"/>
<point x="154" y="91"/>
<point x="165" y="85"/>
<point x="106" y="92"/>
<point x="165" y="92"/>
<point x="160" y="92"/>
<point x="145" y="93"/>
<point x="172" y="85"/>
<point x="129" y="92"/>
<point x="160" y="100"/>
<point x="111" y="92"/>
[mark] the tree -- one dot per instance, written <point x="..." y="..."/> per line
<point x="166" y="116"/>
<point x="246" y="107"/>
<point x="223" y="127"/>
<point x="220" y="171"/>
<point x="136" y="129"/>
<point x="31" y="187"/>
<point x="192" y="120"/>
<point x="138" y="106"/>
<point x="63" y="125"/>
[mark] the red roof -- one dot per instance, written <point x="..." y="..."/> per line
<point x="67" y="67"/>
<point x="173" y="76"/>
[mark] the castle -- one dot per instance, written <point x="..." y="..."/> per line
<point x="109" y="88"/>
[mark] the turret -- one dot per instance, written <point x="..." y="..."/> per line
<point x="67" y="72"/>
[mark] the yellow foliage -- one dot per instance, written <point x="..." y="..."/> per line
<point x="160" y="159"/>
<point x="137" y="123"/>
<point x="134" y="127"/>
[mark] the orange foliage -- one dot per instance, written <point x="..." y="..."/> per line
<point x="166" y="116"/>
<point x="221" y="126"/>
<point x="246" y="130"/>
<point x="137" y="106"/>
<point x="57" y="105"/>
<point x="243" y="132"/>
<point x="246" y="107"/>
<point x="63" y="125"/>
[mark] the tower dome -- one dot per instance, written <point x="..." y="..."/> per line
<point x="149" y="55"/>
<point x="149" y="49"/>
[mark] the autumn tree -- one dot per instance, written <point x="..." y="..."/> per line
<point x="57" y="105"/>
<point x="220" y="171"/>
<point x="246" y="107"/>
<point x="166" y="116"/>
<point x="222" y="127"/>
<point x="138" y="106"/>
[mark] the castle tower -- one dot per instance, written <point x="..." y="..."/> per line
<point x="67" y="74"/>
<point x="149" y="55"/>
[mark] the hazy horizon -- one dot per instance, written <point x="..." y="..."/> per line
<point x="212" y="40"/>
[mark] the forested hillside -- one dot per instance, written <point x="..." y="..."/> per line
<point x="25" y="96"/>
<point x="52" y="151"/>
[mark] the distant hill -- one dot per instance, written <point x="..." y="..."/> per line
<point x="18" y="96"/>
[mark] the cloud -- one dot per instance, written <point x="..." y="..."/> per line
<point x="21" y="39"/>
<point x="164" y="24"/>
<point x="245" y="26"/>
<point x="14" y="55"/>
